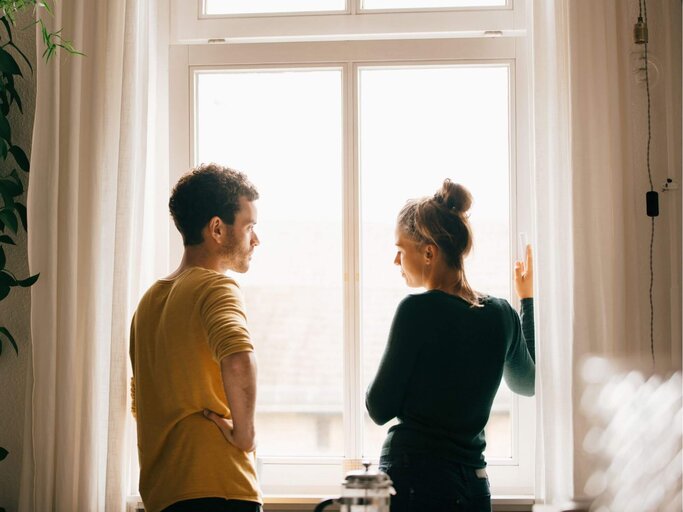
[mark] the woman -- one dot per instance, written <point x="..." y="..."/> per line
<point x="448" y="349"/>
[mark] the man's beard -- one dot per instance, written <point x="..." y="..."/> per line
<point x="236" y="258"/>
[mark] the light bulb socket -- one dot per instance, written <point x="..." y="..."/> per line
<point x="640" y="31"/>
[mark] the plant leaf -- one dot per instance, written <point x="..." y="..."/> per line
<point x="3" y="259"/>
<point x="3" y="453"/>
<point x="4" y="99"/>
<point x="17" y="99"/>
<point x="5" y="130"/>
<point x="3" y="330"/>
<point x="5" y="239"/>
<point x="7" y="198"/>
<point x="20" y="157"/>
<point x="46" y="5"/>
<point x="8" y="64"/>
<point x="7" y="217"/>
<point x="4" y="291"/>
<point x="11" y="187"/>
<point x="29" y="281"/>
<point x="21" y="210"/>
<point x="22" y="54"/>
<point x="7" y="27"/>
<point x="10" y="93"/>
<point x="10" y="81"/>
<point x="6" y="279"/>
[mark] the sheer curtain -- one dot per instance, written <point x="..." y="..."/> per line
<point x="593" y="235"/>
<point x="97" y="213"/>
<point x="554" y="252"/>
<point x="611" y="229"/>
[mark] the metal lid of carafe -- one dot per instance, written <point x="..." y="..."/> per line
<point x="366" y="479"/>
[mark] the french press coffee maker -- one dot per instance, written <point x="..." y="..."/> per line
<point x="363" y="491"/>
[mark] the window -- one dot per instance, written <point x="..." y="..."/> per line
<point x="231" y="7"/>
<point x="419" y="125"/>
<point x="430" y="4"/>
<point x="285" y="128"/>
<point x="337" y="130"/>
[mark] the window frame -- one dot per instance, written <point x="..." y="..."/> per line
<point x="189" y="26"/>
<point x="351" y="7"/>
<point x="424" y="44"/>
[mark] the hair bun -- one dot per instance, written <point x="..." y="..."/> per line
<point x="454" y="196"/>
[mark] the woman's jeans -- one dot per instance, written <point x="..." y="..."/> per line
<point x="424" y="483"/>
<point x="213" y="505"/>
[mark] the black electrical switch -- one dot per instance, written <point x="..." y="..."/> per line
<point x="652" y="202"/>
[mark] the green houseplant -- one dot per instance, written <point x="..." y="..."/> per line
<point x="13" y="159"/>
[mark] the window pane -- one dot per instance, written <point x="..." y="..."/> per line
<point x="284" y="130"/>
<point x="217" y="7"/>
<point x="418" y="126"/>
<point x="425" y="4"/>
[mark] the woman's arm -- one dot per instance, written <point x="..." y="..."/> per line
<point x="520" y="367"/>
<point x="385" y="396"/>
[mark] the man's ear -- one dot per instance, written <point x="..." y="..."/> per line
<point x="215" y="228"/>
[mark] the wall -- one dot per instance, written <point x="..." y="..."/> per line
<point x="15" y="309"/>
<point x="612" y="312"/>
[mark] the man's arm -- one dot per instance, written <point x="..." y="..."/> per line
<point x="239" y="381"/>
<point x="131" y="352"/>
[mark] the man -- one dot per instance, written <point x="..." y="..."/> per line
<point x="193" y="363"/>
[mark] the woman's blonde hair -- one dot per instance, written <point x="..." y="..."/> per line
<point x="442" y="220"/>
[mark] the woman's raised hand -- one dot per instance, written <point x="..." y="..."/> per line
<point x="524" y="276"/>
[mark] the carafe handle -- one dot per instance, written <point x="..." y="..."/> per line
<point x="323" y="504"/>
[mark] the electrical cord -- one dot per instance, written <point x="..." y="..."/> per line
<point x="642" y="17"/>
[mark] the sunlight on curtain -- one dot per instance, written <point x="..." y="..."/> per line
<point x="98" y="234"/>
<point x="554" y="265"/>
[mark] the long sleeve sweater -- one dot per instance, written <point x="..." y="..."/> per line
<point x="441" y="369"/>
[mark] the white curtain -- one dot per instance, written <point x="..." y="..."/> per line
<point x="551" y="139"/>
<point x="611" y="229"/>
<point x="96" y="209"/>
<point x="593" y="235"/>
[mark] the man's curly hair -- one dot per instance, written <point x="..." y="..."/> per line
<point x="207" y="191"/>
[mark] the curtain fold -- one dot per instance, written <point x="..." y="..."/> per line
<point x="551" y="154"/>
<point x="99" y="169"/>
<point x="609" y="179"/>
<point x="590" y="130"/>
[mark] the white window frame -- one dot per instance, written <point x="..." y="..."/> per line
<point x="190" y="26"/>
<point x="349" y="41"/>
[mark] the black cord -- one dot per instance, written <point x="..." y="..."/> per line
<point x="643" y="11"/>
<point x="652" y="306"/>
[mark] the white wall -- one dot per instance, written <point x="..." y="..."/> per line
<point x="15" y="309"/>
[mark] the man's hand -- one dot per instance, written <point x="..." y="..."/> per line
<point x="239" y="382"/>
<point x="224" y="424"/>
<point x="524" y="276"/>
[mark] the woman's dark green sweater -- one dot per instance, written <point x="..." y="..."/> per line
<point x="441" y="370"/>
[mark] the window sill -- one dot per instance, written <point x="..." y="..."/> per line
<point x="500" y="503"/>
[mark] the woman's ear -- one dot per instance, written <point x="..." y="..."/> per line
<point x="430" y="253"/>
